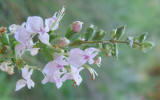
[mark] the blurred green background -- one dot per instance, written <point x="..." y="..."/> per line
<point x="135" y="76"/>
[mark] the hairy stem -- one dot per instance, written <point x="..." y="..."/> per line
<point x="105" y="41"/>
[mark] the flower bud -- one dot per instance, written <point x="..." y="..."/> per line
<point x="63" y="42"/>
<point x="97" y="61"/>
<point x="3" y="67"/>
<point x="77" y="26"/>
<point x="10" y="70"/>
<point x="6" y="68"/>
<point x="13" y="28"/>
<point x="2" y="30"/>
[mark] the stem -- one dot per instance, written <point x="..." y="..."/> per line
<point x="35" y="68"/>
<point x="105" y="41"/>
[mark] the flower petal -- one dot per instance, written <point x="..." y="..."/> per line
<point x="19" y="49"/>
<point x="21" y="35"/>
<point x="30" y="83"/>
<point x="20" y="84"/>
<point x="49" y="22"/>
<point x="26" y="74"/>
<point x="76" y="57"/>
<point x="44" y="38"/>
<point x="34" y="24"/>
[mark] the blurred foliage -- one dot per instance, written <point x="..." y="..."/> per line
<point x="135" y="76"/>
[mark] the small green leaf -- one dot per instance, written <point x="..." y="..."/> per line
<point x="99" y="35"/>
<point x="142" y="37"/>
<point x="115" y="51"/>
<point x="113" y="33"/>
<point x="147" y="46"/>
<point x="90" y="32"/>
<point x="69" y="33"/>
<point x="120" y="32"/>
<point x="5" y="39"/>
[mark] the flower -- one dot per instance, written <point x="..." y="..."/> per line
<point x="77" y="26"/>
<point x="78" y="57"/>
<point x="25" y="41"/>
<point x="90" y="54"/>
<point x="35" y="25"/>
<point x="63" y="42"/>
<point x="26" y="74"/>
<point x="54" y="71"/>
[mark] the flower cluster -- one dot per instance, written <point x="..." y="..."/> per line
<point x="67" y="55"/>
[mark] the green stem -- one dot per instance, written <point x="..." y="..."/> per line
<point x="105" y="41"/>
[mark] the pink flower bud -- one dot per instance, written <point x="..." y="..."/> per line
<point x="77" y="26"/>
<point x="97" y="61"/>
<point x="63" y="42"/>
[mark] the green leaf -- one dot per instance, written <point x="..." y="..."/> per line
<point x="120" y="32"/>
<point x="69" y="33"/>
<point x="142" y="37"/>
<point x="99" y="35"/>
<point x="90" y="32"/>
<point x="5" y="39"/>
<point x="113" y="33"/>
<point x="115" y="51"/>
<point x="147" y="46"/>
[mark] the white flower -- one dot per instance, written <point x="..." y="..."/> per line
<point x="26" y="74"/>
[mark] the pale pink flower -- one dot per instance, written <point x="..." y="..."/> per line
<point x="54" y="71"/>
<point x="90" y="54"/>
<point x="78" y="57"/>
<point x="35" y="25"/>
<point x="26" y="74"/>
<point x="25" y="41"/>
